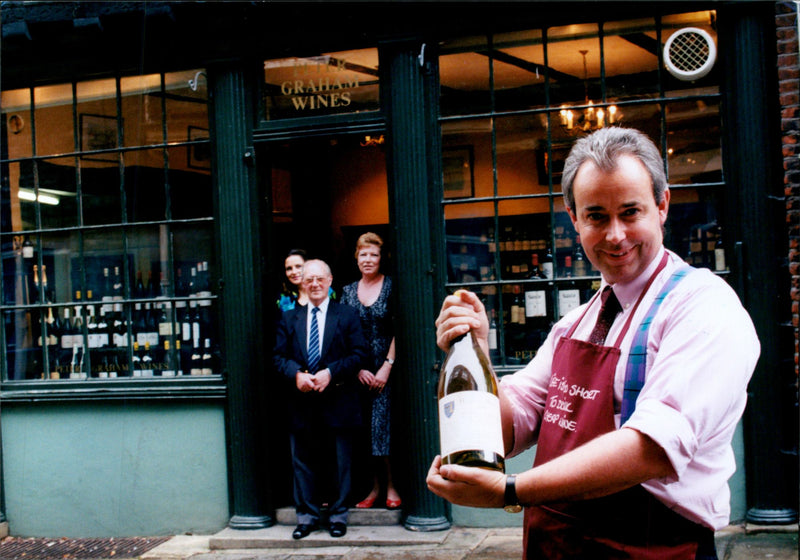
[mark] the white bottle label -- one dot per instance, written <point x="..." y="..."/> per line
<point x="567" y="301"/>
<point x="535" y="304"/>
<point x="547" y="270"/>
<point x="493" y="338"/>
<point x="470" y="420"/>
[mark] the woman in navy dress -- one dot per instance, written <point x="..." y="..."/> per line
<point x="372" y="297"/>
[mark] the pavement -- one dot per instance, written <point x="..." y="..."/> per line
<point x="394" y="542"/>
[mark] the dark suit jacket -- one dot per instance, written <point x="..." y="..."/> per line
<point x="344" y="351"/>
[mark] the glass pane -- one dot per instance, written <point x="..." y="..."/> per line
<point x="527" y="318"/>
<point x="190" y="182"/>
<point x="144" y="185"/>
<point x="58" y="195"/>
<point x="519" y="70"/>
<point x="523" y="237"/>
<point x="331" y="83"/>
<point x="573" y="56"/>
<point x="692" y="228"/>
<point x="467" y="163"/>
<point x="630" y="52"/>
<point x="706" y="21"/>
<point x="54" y="120"/>
<point x="97" y="119"/>
<point x="471" y="243"/>
<point x="186" y="104"/>
<point x="693" y="141"/>
<point x="464" y="77"/>
<point x="15" y="109"/>
<point x="521" y="143"/>
<point x="142" y="110"/>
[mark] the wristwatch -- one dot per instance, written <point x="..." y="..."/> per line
<point x="511" y="500"/>
<point x="390" y="361"/>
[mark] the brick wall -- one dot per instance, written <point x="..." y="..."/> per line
<point x="789" y="90"/>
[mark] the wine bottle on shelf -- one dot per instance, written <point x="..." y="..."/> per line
<point x="139" y="287"/>
<point x="207" y="367"/>
<point x="534" y="272"/>
<point x="518" y="307"/>
<point x="137" y="360"/>
<point x="169" y="368"/>
<point x="547" y="264"/>
<point x="77" y="322"/>
<point x="36" y="285"/>
<point x="579" y="267"/>
<point x="196" y="361"/>
<point x="147" y="361"/>
<point x="45" y="287"/>
<point x="719" y="253"/>
<point x="494" y="350"/>
<point x="470" y="427"/>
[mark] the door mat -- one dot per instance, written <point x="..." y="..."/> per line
<point x="16" y="548"/>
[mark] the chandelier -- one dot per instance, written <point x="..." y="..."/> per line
<point x="576" y="121"/>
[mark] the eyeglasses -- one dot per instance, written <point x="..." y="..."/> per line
<point x="315" y="279"/>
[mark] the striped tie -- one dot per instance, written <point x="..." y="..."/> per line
<point x="313" y="342"/>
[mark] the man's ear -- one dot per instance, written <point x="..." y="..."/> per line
<point x="663" y="208"/>
<point x="573" y="218"/>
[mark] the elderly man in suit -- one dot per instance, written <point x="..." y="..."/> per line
<point x="319" y="349"/>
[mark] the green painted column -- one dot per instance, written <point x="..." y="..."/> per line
<point x="411" y="128"/>
<point x="755" y="211"/>
<point x="240" y="289"/>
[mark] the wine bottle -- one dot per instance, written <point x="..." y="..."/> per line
<point x="147" y="361"/>
<point x="547" y="264"/>
<point x="206" y="365"/>
<point x="578" y="262"/>
<point x="470" y="427"/>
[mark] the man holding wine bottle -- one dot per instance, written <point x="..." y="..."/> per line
<point x="633" y="419"/>
<point x="320" y="348"/>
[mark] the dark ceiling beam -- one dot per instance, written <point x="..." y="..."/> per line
<point x="529" y="66"/>
<point x="643" y="41"/>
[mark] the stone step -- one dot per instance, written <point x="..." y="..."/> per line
<point x="358" y="517"/>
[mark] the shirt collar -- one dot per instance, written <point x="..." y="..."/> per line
<point x="628" y="292"/>
<point x="323" y="307"/>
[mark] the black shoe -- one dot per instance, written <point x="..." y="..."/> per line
<point x="303" y="530"/>
<point x="338" y="530"/>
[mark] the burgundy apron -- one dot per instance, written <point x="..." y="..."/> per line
<point x="627" y="524"/>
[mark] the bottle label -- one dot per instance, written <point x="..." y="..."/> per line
<point x="567" y="301"/>
<point x="547" y="270"/>
<point x="470" y="420"/>
<point x="535" y="304"/>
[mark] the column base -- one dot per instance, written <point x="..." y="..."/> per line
<point x="425" y="524"/>
<point x="251" y="522"/>
<point x="759" y="516"/>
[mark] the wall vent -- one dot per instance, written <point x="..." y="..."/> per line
<point x="690" y="54"/>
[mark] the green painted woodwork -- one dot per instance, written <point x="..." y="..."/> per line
<point x="117" y="469"/>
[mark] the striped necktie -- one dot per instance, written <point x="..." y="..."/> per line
<point x="313" y="342"/>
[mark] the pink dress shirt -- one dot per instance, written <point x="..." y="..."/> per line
<point x="701" y="351"/>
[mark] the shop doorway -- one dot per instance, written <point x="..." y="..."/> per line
<point x="319" y="194"/>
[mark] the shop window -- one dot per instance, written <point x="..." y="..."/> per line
<point x="512" y="105"/>
<point x="107" y="233"/>
<point x="327" y="84"/>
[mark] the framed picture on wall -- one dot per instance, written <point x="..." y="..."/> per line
<point x="551" y="162"/>
<point x="98" y="132"/>
<point x="457" y="172"/>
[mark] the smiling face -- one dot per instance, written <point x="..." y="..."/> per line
<point x="293" y="266"/>
<point x="617" y="217"/>
<point x="317" y="280"/>
<point x="369" y="259"/>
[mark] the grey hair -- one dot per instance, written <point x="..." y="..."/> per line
<point x="603" y="148"/>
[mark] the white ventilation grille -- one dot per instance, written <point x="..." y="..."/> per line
<point x="690" y="53"/>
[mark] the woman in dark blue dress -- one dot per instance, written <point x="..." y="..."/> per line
<point x="372" y="296"/>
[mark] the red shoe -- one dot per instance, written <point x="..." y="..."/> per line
<point x="394" y="504"/>
<point x="366" y="503"/>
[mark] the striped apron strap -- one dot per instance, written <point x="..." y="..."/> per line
<point x="637" y="359"/>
